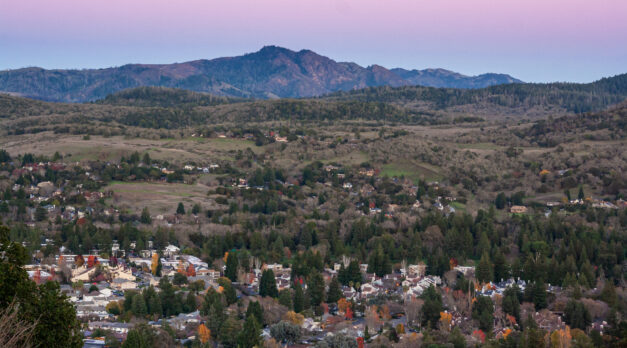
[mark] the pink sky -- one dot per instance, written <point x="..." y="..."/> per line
<point x="535" y="40"/>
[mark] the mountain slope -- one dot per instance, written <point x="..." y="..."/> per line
<point x="272" y="72"/>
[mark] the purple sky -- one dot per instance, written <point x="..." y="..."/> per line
<point x="534" y="40"/>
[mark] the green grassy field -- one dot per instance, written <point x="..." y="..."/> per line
<point x="413" y="171"/>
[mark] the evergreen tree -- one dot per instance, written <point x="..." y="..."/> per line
<point x="155" y="305"/>
<point x="576" y="315"/>
<point x="580" y="195"/>
<point x="254" y="309"/>
<point x="315" y="288"/>
<point x="190" y="302"/>
<point x="299" y="299"/>
<point x="484" y="270"/>
<point x="228" y="290"/>
<point x="285" y="298"/>
<point x="267" y="284"/>
<point x="180" y="209"/>
<point x="232" y="264"/>
<point x="500" y="200"/>
<point x="229" y="332"/>
<point x="250" y="336"/>
<point x="335" y="293"/>
<point x="501" y="268"/>
<point x="139" y="306"/>
<point x="350" y="274"/>
<point x="145" y="217"/>
<point x="44" y="306"/>
<point x="432" y="307"/>
<point x="511" y="302"/>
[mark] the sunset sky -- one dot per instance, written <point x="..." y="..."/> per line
<point x="534" y="40"/>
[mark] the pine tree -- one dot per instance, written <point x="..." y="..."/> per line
<point x="180" y="209"/>
<point x="580" y="195"/>
<point x="145" y="217"/>
<point x="299" y="299"/>
<point x="139" y="306"/>
<point x="267" y="284"/>
<point x="484" y="269"/>
<point x="250" y="336"/>
<point x="254" y="309"/>
<point x="501" y="268"/>
<point x="315" y="288"/>
<point x="335" y="293"/>
<point x="432" y="306"/>
<point x="232" y="263"/>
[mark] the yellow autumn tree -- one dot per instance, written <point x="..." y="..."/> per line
<point x="445" y="320"/>
<point x="204" y="334"/>
<point x="400" y="329"/>
<point x="561" y="338"/>
<point x="155" y="263"/>
<point x="294" y="318"/>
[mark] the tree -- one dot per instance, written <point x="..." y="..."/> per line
<point x="179" y="279"/>
<point x="335" y="293"/>
<point x="538" y="293"/>
<point x="155" y="266"/>
<point x="285" y="332"/>
<point x="511" y="302"/>
<point x="228" y="290"/>
<point x="484" y="270"/>
<point x="501" y="269"/>
<point x="204" y="334"/>
<point x="285" y="298"/>
<point x="134" y="339"/>
<point x="432" y="306"/>
<point x="379" y="262"/>
<point x="500" y="200"/>
<point x="580" y="194"/>
<point x="456" y="338"/>
<point x="232" y="264"/>
<point x="315" y="288"/>
<point x="190" y="302"/>
<point x="44" y="306"/>
<point x="337" y="341"/>
<point x="229" y="332"/>
<point x="267" y="284"/>
<point x="196" y="209"/>
<point x="576" y="315"/>
<point x="299" y="299"/>
<point x="139" y="306"/>
<point x="41" y="213"/>
<point x="180" y="209"/>
<point x="483" y="311"/>
<point x="254" y="309"/>
<point x="145" y="217"/>
<point x="250" y="336"/>
<point x="350" y="275"/>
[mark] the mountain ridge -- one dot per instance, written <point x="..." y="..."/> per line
<point x="271" y="72"/>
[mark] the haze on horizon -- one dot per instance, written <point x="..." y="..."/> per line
<point x="533" y="40"/>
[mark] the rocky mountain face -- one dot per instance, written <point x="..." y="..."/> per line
<point x="272" y="72"/>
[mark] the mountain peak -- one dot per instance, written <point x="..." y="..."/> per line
<point x="271" y="72"/>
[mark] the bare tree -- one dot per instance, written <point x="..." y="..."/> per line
<point x="413" y="308"/>
<point x="14" y="331"/>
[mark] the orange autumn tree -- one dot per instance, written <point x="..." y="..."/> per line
<point x="342" y="305"/>
<point x="204" y="334"/>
